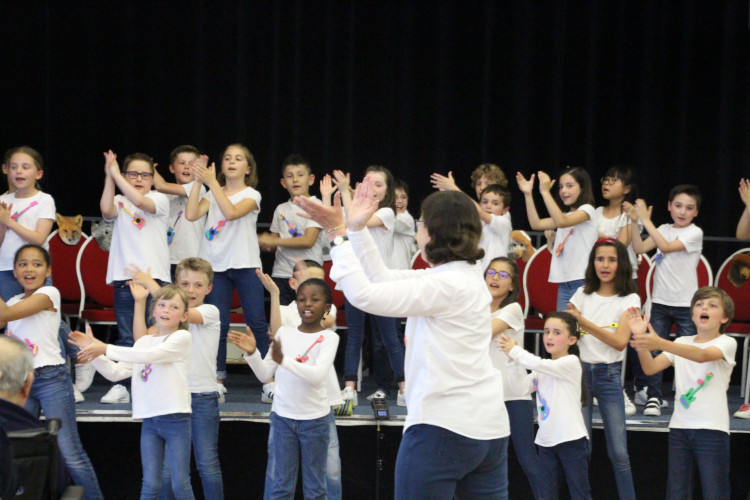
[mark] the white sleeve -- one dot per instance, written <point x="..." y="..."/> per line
<point x="175" y="348"/>
<point x="693" y="240"/>
<point x="110" y="370"/>
<point x="521" y="385"/>
<point x="263" y="368"/>
<point x="564" y="368"/>
<point x="314" y="371"/>
<point x="404" y="224"/>
<point x="388" y="217"/>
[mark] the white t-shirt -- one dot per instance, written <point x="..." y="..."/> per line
<point x="158" y="367"/>
<point x="287" y="224"/>
<point x="495" y="238"/>
<point x="404" y="242"/>
<point x="603" y="312"/>
<point x="558" y="398"/>
<point x="300" y="386"/>
<point x="202" y="376"/>
<point x="611" y="229"/>
<point x="512" y="315"/>
<point x="235" y="246"/>
<point x="448" y="331"/>
<point x="384" y="237"/>
<point x="675" y="276"/>
<point x="571" y="263"/>
<point x="39" y="331"/>
<point x="709" y="408"/>
<point x="145" y="247"/>
<point x="187" y="235"/>
<point x="290" y="317"/>
<point x="27" y="212"/>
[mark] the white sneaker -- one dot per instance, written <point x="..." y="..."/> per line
<point x="401" y="399"/>
<point x="379" y="394"/>
<point x="652" y="409"/>
<point x="641" y="398"/>
<point x="743" y="412"/>
<point x="350" y="395"/>
<point x="595" y="402"/>
<point x="84" y="376"/>
<point x="267" y="395"/>
<point x="629" y="406"/>
<point x="77" y="395"/>
<point x="117" y="394"/>
<point x="222" y="390"/>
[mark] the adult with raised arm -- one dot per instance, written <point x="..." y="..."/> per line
<point x="447" y="366"/>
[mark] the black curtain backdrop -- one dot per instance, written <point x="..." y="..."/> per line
<point x="419" y="86"/>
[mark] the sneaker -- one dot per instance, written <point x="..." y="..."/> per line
<point x="595" y="402"/>
<point x="349" y="394"/>
<point x="222" y="390"/>
<point x="401" y="399"/>
<point x="267" y="395"/>
<point x="653" y="408"/>
<point x="344" y="410"/>
<point x="743" y="412"/>
<point x="117" y="394"/>
<point x="629" y="406"/>
<point x="77" y="395"/>
<point x="641" y="398"/>
<point x="84" y="376"/>
<point x="379" y="394"/>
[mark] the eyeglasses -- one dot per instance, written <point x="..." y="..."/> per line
<point x="132" y="174"/>
<point x="503" y="275"/>
<point x="609" y="180"/>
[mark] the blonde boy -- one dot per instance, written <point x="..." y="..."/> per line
<point x="486" y="174"/>
<point x="292" y="236"/>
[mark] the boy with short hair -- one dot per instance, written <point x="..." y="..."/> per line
<point x="292" y="236"/>
<point x="195" y="277"/>
<point x="404" y="230"/>
<point x="183" y="236"/>
<point x="139" y="236"/>
<point x="703" y="363"/>
<point x="679" y="248"/>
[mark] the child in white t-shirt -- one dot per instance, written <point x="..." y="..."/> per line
<point x="183" y="236"/>
<point x="404" y="243"/>
<point x="562" y="439"/>
<point x="618" y="187"/>
<point x="292" y="236"/>
<point x="576" y="229"/>
<point x="679" y="248"/>
<point x="703" y="363"/>
<point x="301" y="360"/>
<point x="139" y="236"/>
<point x="158" y="365"/>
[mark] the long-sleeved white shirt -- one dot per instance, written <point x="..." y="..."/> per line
<point x="450" y="380"/>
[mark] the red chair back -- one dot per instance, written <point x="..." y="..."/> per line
<point x="541" y="294"/>
<point x="417" y="262"/>
<point x="64" y="266"/>
<point x="521" y="295"/>
<point x="644" y="265"/>
<point x="740" y="295"/>
<point x="338" y="295"/>
<point x="91" y="268"/>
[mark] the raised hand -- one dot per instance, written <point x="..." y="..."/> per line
<point x="245" y="341"/>
<point x="268" y="283"/>
<point x="506" y="343"/>
<point x="342" y="180"/>
<point x="327" y="189"/>
<point x="573" y="311"/>
<point x="745" y="191"/>
<point x="526" y="186"/>
<point x="5" y="213"/>
<point x="545" y="183"/>
<point x="138" y="291"/>
<point x="362" y="207"/>
<point x="629" y="210"/>
<point x="110" y="163"/>
<point x="204" y="174"/>
<point x="139" y="276"/>
<point x="444" y="183"/>
<point x="329" y="218"/>
<point x="642" y="210"/>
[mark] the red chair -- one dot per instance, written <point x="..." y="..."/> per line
<point x="540" y="293"/>
<point x="740" y="325"/>
<point x="417" y="262"/>
<point x="236" y="319"/>
<point x="63" y="267"/>
<point x="338" y="295"/>
<point x="97" y="297"/>
<point x="644" y="267"/>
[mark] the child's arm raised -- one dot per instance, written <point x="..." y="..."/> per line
<point x="92" y="350"/>
<point x="135" y="197"/>
<point x="617" y="340"/>
<point x="639" y="326"/>
<point x="207" y="175"/>
<point x="527" y="188"/>
<point x="664" y="246"/>
<point x="449" y="184"/>
<point x="196" y="207"/>
<point x="36" y="236"/>
<point x="26" y="307"/>
<point x="107" y="201"/>
<point x="743" y="226"/>
<point x="143" y="278"/>
<point x="326" y="190"/>
<point x="139" y="294"/>
<point x="274" y="319"/>
<point x="559" y="219"/>
<point x="263" y="368"/>
<point x="639" y="244"/>
<point x="165" y="187"/>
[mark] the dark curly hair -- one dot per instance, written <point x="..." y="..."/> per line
<point x="453" y="224"/>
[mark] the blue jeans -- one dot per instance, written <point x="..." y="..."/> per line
<point x="709" y="449"/>
<point x="250" y="290"/>
<point x="521" y="416"/>
<point x="287" y="437"/>
<point x="435" y="463"/>
<point x="166" y="436"/>
<point x="355" y="335"/>
<point x="662" y="317"/>
<point x="204" y="423"/>
<point x="565" y="291"/>
<point x="333" y="461"/>
<point x="52" y="391"/>
<point x="574" y="458"/>
<point x="381" y="369"/>
<point x="603" y="383"/>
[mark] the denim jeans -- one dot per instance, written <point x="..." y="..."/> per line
<point x="250" y="290"/>
<point x="166" y="437"/>
<point x="333" y="461"/>
<point x="662" y="317"/>
<point x="707" y="448"/>
<point x="435" y="463"/>
<point x="355" y="335"/>
<point x="574" y="458"/>
<point x="204" y="423"/>
<point x="52" y="391"/>
<point x="286" y="439"/>
<point x="521" y="416"/>
<point x="603" y="383"/>
<point x="565" y="291"/>
<point x="381" y="368"/>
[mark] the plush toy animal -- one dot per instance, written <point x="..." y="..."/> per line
<point x="520" y="245"/>
<point x="102" y="233"/>
<point x="739" y="270"/>
<point x="69" y="228"/>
